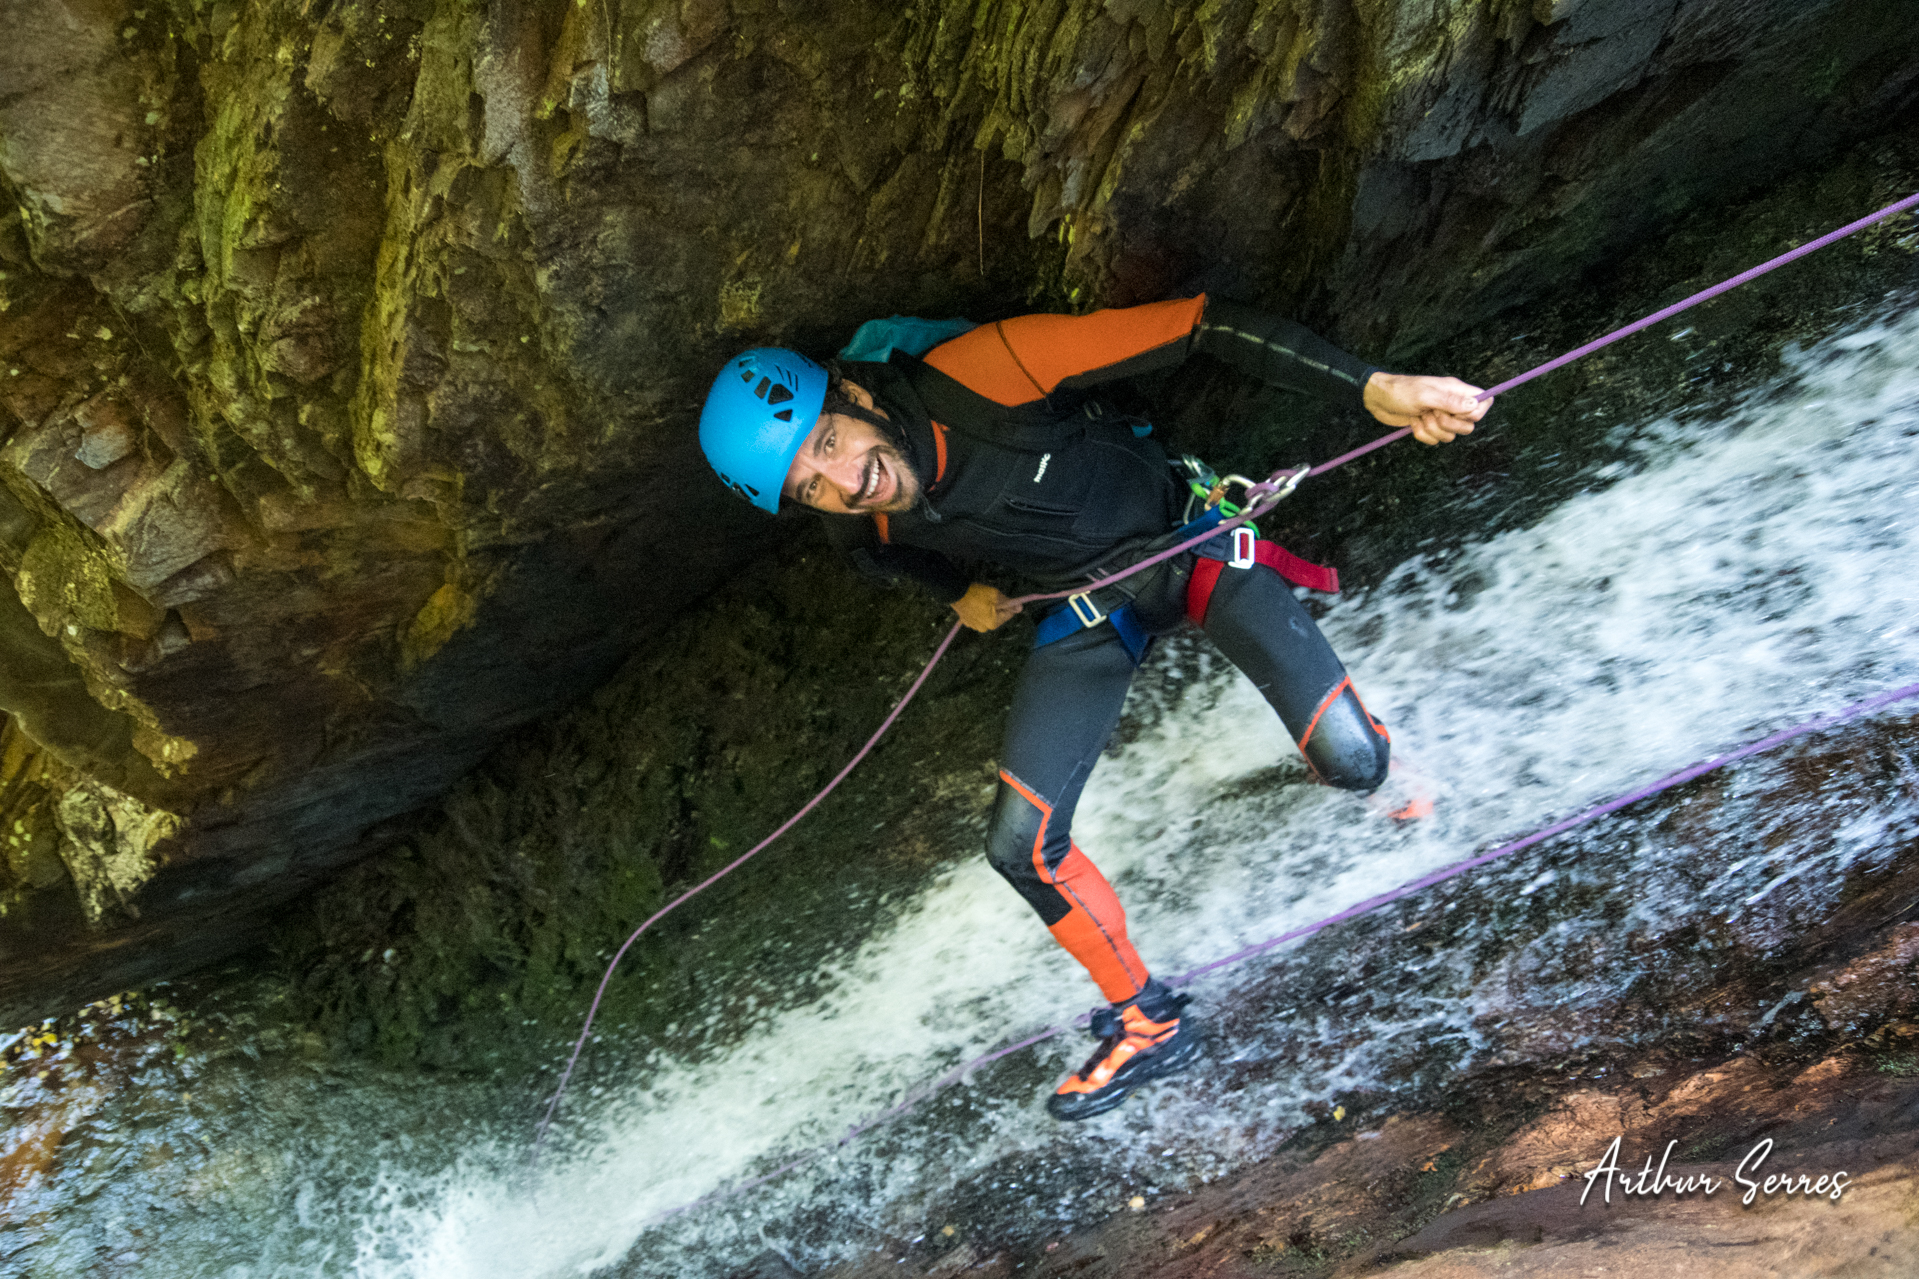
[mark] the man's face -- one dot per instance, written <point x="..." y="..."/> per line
<point x="848" y="467"/>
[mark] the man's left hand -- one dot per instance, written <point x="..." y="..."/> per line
<point x="1437" y="408"/>
<point x="983" y="608"/>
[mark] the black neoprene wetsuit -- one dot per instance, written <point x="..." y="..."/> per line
<point x="1021" y="469"/>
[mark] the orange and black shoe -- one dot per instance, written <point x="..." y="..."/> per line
<point x="1134" y="1047"/>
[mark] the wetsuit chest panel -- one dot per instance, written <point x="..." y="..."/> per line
<point x="1054" y="484"/>
<point x="1048" y="490"/>
<point x="1130" y="490"/>
<point x="1050" y="516"/>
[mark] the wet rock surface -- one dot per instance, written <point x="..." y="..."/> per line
<point x="1460" y="1193"/>
<point x="1733" y="1064"/>
<point x="348" y="352"/>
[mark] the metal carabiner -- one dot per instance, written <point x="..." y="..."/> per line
<point x="1281" y="491"/>
<point x="1216" y="496"/>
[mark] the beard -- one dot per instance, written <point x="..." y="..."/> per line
<point x="908" y="493"/>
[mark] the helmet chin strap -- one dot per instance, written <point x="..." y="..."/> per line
<point x="838" y="401"/>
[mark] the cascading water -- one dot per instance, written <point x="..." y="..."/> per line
<point x="1718" y="577"/>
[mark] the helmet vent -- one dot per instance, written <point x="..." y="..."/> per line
<point x="751" y="429"/>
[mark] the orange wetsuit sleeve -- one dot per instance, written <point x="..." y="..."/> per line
<point x="1027" y="358"/>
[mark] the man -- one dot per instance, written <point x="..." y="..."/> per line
<point x="994" y="451"/>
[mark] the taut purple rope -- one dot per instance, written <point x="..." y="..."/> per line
<point x="1271" y="491"/>
<point x="1724" y="286"/>
<point x="1704" y="295"/>
<point x="1684" y="775"/>
<point x="1855" y="710"/>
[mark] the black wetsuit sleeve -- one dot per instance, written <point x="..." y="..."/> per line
<point x="855" y="537"/>
<point x="1280" y="352"/>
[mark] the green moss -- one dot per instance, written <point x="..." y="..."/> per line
<point x="446" y="611"/>
<point x="502" y="912"/>
<point x="65" y="581"/>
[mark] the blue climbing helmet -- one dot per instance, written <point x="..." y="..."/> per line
<point x="761" y="409"/>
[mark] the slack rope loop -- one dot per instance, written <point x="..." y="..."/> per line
<point x="1272" y="492"/>
<point x="1864" y="706"/>
<point x="546" y="1121"/>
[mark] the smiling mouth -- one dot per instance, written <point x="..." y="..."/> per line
<point x="870" y="481"/>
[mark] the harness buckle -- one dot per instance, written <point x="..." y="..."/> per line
<point x="1085" y="610"/>
<point x="1245" y="543"/>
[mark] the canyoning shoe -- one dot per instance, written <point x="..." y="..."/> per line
<point x="1407" y="796"/>
<point x="1133" y="1049"/>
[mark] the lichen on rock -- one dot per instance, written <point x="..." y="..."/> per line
<point x="111" y="847"/>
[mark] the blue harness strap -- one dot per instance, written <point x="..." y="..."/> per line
<point x="1079" y="612"/>
<point x="1062" y="622"/>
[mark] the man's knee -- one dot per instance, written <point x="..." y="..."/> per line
<point x="1346" y="747"/>
<point x="1014" y="840"/>
<point x="1016" y="824"/>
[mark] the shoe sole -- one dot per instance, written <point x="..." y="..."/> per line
<point x="1180" y="1055"/>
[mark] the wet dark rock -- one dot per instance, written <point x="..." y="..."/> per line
<point x="769" y="1265"/>
<point x="1491" y="1185"/>
<point x="1863" y="993"/>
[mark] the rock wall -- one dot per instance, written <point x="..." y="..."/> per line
<point x="349" y="350"/>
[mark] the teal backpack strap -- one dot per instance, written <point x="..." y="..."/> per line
<point x="876" y="340"/>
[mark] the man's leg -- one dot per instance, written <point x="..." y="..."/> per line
<point x="1064" y="710"/>
<point x="1264" y="631"/>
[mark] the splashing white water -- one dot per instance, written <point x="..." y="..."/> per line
<point x="1731" y="577"/>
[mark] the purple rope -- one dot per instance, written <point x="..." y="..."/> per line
<point x="1793" y="255"/>
<point x="914" y="1098"/>
<point x="1704" y="295"/>
<point x="1270" y="490"/>
<point x="1363" y="450"/>
<point x="1610" y="806"/>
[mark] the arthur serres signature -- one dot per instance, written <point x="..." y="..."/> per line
<point x="1647" y="1181"/>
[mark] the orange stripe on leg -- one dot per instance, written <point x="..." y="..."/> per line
<point x="1326" y="701"/>
<point x="1094" y="931"/>
<point x="1031" y="796"/>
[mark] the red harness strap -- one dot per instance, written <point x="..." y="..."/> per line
<point x="1314" y="577"/>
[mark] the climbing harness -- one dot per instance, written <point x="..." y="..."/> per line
<point x="1261" y="497"/>
<point x="1208" y="490"/>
